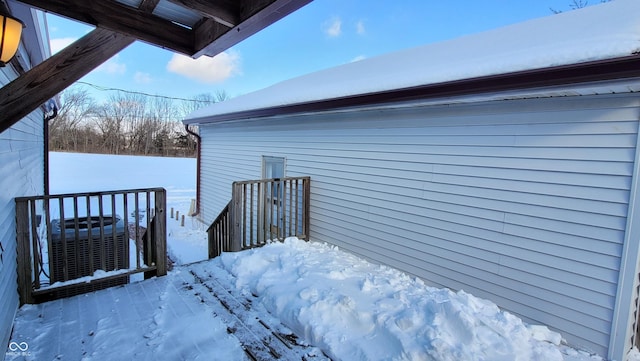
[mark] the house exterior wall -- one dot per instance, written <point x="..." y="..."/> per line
<point x="523" y="202"/>
<point x="21" y="174"/>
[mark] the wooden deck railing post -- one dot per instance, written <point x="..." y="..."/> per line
<point x="34" y="243"/>
<point x="306" y="199"/>
<point x="236" y="218"/>
<point x="150" y="237"/>
<point x="160" y="230"/>
<point x="23" y="251"/>
<point x="211" y="242"/>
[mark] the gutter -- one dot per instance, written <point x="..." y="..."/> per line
<point x="198" y="161"/>
<point x="591" y="71"/>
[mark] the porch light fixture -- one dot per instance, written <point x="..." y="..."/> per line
<point x="10" y="31"/>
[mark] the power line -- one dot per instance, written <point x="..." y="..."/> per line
<point x="102" y="88"/>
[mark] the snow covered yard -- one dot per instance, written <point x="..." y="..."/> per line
<point x="76" y="172"/>
<point x="349" y="308"/>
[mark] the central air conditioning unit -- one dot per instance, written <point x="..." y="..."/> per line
<point x="90" y="244"/>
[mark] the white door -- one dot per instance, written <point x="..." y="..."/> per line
<point x="273" y="168"/>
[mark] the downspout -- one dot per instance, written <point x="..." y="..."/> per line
<point x="50" y="109"/>
<point x="198" y="152"/>
<point x="46" y="156"/>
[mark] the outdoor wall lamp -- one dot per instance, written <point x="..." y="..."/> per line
<point x="10" y="31"/>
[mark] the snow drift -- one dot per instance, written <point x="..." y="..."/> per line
<point x="355" y="310"/>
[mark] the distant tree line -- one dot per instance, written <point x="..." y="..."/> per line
<point x="127" y="123"/>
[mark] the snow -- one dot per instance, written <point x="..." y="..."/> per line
<point x="80" y="172"/>
<point x="152" y="320"/>
<point x="87" y="279"/>
<point x="634" y="355"/>
<point x="348" y="307"/>
<point x="598" y="32"/>
<point x="77" y="172"/>
<point x="356" y="310"/>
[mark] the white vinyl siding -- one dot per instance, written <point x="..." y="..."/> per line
<point x="523" y="202"/>
<point x="21" y="174"/>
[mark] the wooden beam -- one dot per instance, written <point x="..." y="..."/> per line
<point x="30" y="90"/>
<point x="147" y="6"/>
<point x="254" y="17"/>
<point x="223" y="12"/>
<point x="138" y="23"/>
<point x="252" y="7"/>
<point x="207" y="32"/>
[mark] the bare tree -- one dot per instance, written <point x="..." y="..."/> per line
<point x="77" y="108"/>
<point x="576" y="4"/>
<point x="163" y="116"/>
<point x="184" y="140"/>
<point x="129" y="123"/>
<point x="200" y="101"/>
<point x="137" y="126"/>
<point x="110" y="124"/>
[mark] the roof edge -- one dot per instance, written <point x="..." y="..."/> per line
<point x="592" y="71"/>
<point x="262" y="19"/>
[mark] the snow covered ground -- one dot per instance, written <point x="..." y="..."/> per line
<point x="350" y="308"/>
<point x="355" y="310"/>
<point x="75" y="172"/>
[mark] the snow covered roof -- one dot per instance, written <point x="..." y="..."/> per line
<point x="590" y="37"/>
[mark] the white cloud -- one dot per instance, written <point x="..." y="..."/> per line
<point x="60" y="43"/>
<point x="360" y="29"/>
<point x="112" y="66"/>
<point x="206" y="69"/>
<point x="142" y="78"/>
<point x="333" y="27"/>
<point x="358" y="58"/>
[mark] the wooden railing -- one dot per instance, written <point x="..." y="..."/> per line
<point x="75" y="243"/>
<point x="261" y="211"/>
<point x="219" y="233"/>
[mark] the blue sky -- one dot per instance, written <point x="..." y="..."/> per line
<point x="323" y="34"/>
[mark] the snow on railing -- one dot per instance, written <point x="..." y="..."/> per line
<point x="101" y="238"/>
<point x="261" y="211"/>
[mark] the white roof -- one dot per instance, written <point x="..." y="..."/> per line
<point x="604" y="31"/>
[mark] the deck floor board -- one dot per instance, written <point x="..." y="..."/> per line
<point x="161" y="318"/>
